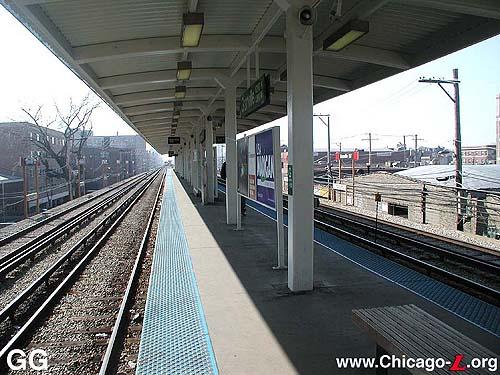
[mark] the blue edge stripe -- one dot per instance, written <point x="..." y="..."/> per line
<point x="472" y="309"/>
<point x="175" y="337"/>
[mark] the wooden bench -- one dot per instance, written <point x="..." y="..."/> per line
<point x="411" y="332"/>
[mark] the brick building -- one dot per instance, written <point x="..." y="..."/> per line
<point x="485" y="154"/>
<point x="18" y="141"/>
<point x="402" y="196"/>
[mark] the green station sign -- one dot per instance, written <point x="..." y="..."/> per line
<point x="256" y="96"/>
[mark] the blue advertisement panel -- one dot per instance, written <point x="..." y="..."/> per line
<point x="265" y="167"/>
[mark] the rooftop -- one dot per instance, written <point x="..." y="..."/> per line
<point x="475" y="177"/>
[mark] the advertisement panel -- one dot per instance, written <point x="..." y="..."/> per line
<point x="265" y="167"/>
<point x="252" y="178"/>
<point x="242" y="149"/>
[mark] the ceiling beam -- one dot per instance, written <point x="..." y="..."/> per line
<point x="170" y="45"/>
<point x="331" y="83"/>
<point x="156" y="95"/>
<point x="169" y="75"/>
<point x="162" y="107"/>
<point x="146" y="124"/>
<point x="369" y="55"/>
<point x="480" y="8"/>
<point x="36" y="2"/>
<point x="274" y="109"/>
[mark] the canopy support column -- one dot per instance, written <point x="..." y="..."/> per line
<point x="209" y="140"/>
<point x="299" y="46"/>
<point x="231" y="167"/>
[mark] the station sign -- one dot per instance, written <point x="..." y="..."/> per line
<point x="256" y="96"/>
<point x="220" y="139"/>
<point x="174" y="140"/>
<point x="350" y="155"/>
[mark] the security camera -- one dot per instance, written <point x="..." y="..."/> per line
<point x="307" y="15"/>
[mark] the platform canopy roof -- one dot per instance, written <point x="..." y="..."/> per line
<point x="128" y="50"/>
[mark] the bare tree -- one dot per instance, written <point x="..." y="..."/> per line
<point x="75" y="123"/>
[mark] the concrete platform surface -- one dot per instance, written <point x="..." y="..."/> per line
<point x="257" y="326"/>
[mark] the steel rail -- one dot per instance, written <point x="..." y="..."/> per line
<point x="8" y="239"/>
<point x="429" y="268"/>
<point x="59" y="289"/>
<point x="28" y="250"/>
<point x="110" y="357"/>
<point x="10" y="309"/>
<point x="434" y="249"/>
<point x="437" y="237"/>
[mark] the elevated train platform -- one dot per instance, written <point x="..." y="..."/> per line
<point x="235" y="314"/>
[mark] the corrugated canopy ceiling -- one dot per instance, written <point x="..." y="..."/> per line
<point x="127" y="50"/>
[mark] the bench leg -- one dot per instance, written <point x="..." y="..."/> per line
<point x="380" y="352"/>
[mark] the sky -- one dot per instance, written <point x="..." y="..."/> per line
<point x="31" y="75"/>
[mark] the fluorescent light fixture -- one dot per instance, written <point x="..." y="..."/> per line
<point x="346" y="35"/>
<point x="180" y="92"/>
<point x="192" y="26"/>
<point x="184" y="69"/>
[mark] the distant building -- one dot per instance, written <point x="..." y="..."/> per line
<point x="402" y="196"/>
<point x="16" y="142"/>
<point x="131" y="149"/>
<point x="498" y="129"/>
<point x="473" y="155"/>
<point x="109" y="159"/>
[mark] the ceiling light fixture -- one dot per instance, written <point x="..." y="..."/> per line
<point x="184" y="69"/>
<point x="346" y="35"/>
<point x="192" y="26"/>
<point x="180" y="92"/>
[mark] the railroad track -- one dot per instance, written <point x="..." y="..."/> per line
<point x="16" y="256"/>
<point x="59" y="212"/>
<point x="469" y="268"/>
<point x="77" y="266"/>
<point x="471" y="255"/>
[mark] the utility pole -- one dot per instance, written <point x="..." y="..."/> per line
<point x="369" y="139"/>
<point x="78" y="191"/>
<point x="329" y="167"/>
<point x="424" y="204"/>
<point x="68" y="165"/>
<point x="404" y="148"/>
<point x="416" y="139"/>
<point x="458" y="142"/>
<point x="340" y="162"/>
<point x="353" y="175"/>
<point x="25" y="188"/>
<point x="37" y="187"/>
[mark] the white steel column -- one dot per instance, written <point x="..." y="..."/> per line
<point x="299" y="46"/>
<point x="196" y="163"/>
<point x="209" y="141"/>
<point x="231" y="167"/>
<point x="192" y="164"/>
<point x="215" y="185"/>
<point x="200" y="163"/>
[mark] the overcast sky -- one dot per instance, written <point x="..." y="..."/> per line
<point x="30" y="75"/>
